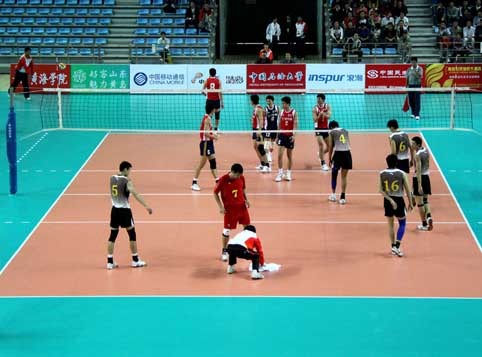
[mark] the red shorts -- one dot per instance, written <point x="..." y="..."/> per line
<point x="236" y="215"/>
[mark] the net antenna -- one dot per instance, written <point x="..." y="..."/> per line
<point x="11" y="134"/>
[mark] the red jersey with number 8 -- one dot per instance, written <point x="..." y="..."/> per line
<point x="231" y="190"/>
<point x="287" y="122"/>
<point x="213" y="83"/>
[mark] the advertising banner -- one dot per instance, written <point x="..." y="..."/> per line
<point x="454" y="75"/>
<point x="165" y="77"/>
<point x="335" y="76"/>
<point x="45" y="76"/>
<point x="232" y="76"/>
<point x="100" y="76"/>
<point x="276" y="76"/>
<point x="387" y="75"/>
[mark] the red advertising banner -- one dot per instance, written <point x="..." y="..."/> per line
<point x="441" y="75"/>
<point x="276" y="76"/>
<point x="45" y="76"/>
<point x="380" y="76"/>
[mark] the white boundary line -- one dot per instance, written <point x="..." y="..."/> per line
<point x="452" y="193"/>
<point x="254" y="222"/>
<point x="264" y="297"/>
<point x="31" y="135"/>
<point x="53" y="205"/>
<point x="270" y="194"/>
<point x="315" y="170"/>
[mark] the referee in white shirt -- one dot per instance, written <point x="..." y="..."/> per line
<point x="273" y="33"/>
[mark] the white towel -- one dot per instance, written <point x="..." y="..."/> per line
<point x="266" y="267"/>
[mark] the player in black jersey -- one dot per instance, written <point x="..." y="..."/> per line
<point x="271" y="114"/>
<point x="121" y="186"/>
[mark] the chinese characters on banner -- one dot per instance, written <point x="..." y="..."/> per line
<point x="45" y="76"/>
<point x="387" y="75"/>
<point x="100" y="76"/>
<point x="454" y="75"/>
<point x="276" y="76"/>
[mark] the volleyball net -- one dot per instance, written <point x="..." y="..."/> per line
<point x="169" y="111"/>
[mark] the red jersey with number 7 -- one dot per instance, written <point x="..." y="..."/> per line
<point x="213" y="83"/>
<point x="232" y="193"/>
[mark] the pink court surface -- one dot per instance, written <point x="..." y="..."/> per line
<point x="325" y="249"/>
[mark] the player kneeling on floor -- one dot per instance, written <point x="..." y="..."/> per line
<point x="246" y="245"/>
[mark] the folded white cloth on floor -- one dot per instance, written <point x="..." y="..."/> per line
<point x="266" y="267"/>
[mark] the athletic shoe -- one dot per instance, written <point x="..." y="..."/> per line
<point x="231" y="269"/>
<point x="430" y="223"/>
<point x="256" y="275"/>
<point x="111" y="266"/>
<point x="138" y="264"/>
<point x="325" y="167"/>
<point x="265" y="170"/>
<point x="417" y="117"/>
<point x="287" y="177"/>
<point x="342" y="201"/>
<point x="332" y="197"/>
<point x="259" y="167"/>
<point x="28" y="98"/>
<point x="412" y="116"/>
<point x="421" y="227"/>
<point x="279" y="177"/>
<point x="195" y="187"/>
<point x="224" y="256"/>
<point x="397" y="251"/>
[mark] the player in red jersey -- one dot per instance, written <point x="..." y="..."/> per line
<point x="23" y="73"/>
<point x="288" y="123"/>
<point x="321" y="115"/>
<point x="257" y="119"/>
<point x="214" y="96"/>
<point x="206" y="147"/>
<point x="233" y="203"/>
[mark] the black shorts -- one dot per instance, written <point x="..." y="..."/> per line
<point x="255" y="136"/>
<point x="399" y="212"/>
<point x="271" y="136"/>
<point x="121" y="217"/>
<point x="285" y="141"/>
<point x="206" y="148"/>
<point x="426" y="187"/>
<point x="342" y="160"/>
<point x="215" y="103"/>
<point x="323" y="134"/>
<point x="404" y="165"/>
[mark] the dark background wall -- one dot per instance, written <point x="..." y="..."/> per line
<point x="247" y="21"/>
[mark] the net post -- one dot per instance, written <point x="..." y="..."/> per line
<point x="59" y="107"/>
<point x="452" y="108"/>
<point x="11" y="140"/>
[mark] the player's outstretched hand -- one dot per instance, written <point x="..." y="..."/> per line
<point x="149" y="210"/>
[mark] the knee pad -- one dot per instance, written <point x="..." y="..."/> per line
<point x="212" y="164"/>
<point x="261" y="150"/>
<point x="113" y="235"/>
<point x="132" y="234"/>
<point x="226" y="232"/>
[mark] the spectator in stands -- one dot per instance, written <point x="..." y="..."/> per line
<point x="453" y="13"/>
<point x="374" y="18"/>
<point x="192" y="16"/>
<point x="353" y="45"/>
<point x="478" y="35"/>
<point x="458" y="48"/>
<point x="350" y="18"/>
<point x="404" y="20"/>
<point x="385" y="6"/>
<point x="163" y="47"/>
<point x="445" y="41"/>
<point x="361" y="8"/>
<point x="23" y="73"/>
<point x="404" y="47"/>
<point x="169" y="8"/>
<point x="288" y="58"/>
<point x="456" y="29"/>
<point x="337" y="14"/>
<point x="350" y="30"/>
<point x="390" y="36"/>
<point x="204" y="18"/>
<point x="265" y="55"/>
<point x="439" y="16"/>
<point x="301" y="30"/>
<point x="477" y="19"/>
<point x="362" y="19"/>
<point x="376" y="35"/>
<point x="401" y="29"/>
<point x="347" y="9"/>
<point x="273" y="33"/>
<point x="364" y="35"/>
<point x="388" y="18"/>
<point x="400" y="7"/>
<point x="336" y="35"/>
<point x="289" y="31"/>
<point x="478" y="6"/>
<point x="467" y="11"/>
<point x="469" y="35"/>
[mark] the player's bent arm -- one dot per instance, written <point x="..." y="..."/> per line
<point x="138" y="197"/>
<point x="315" y="115"/>
<point x="218" y="201"/>
<point x="418" y="167"/>
<point x="382" y="191"/>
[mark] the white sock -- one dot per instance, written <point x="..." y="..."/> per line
<point x="280" y="171"/>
